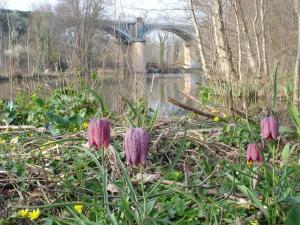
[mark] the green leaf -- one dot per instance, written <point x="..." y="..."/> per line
<point x="293" y="217"/>
<point x="103" y="107"/>
<point x="293" y="111"/>
<point x="48" y="221"/>
<point x="150" y="206"/>
<point x="287" y="152"/>
<point x="137" y="115"/>
<point x="293" y="200"/>
<point x="153" y="120"/>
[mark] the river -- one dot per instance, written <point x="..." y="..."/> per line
<point x="154" y="88"/>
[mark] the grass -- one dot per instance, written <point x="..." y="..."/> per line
<point x="196" y="172"/>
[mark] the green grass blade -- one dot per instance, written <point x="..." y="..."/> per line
<point x="275" y="87"/>
<point x="135" y="112"/>
<point x="105" y="198"/>
<point x="153" y="120"/>
<point x="246" y="191"/>
<point x="103" y="107"/>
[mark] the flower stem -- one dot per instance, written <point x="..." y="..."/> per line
<point x="273" y="183"/>
<point x="143" y="192"/>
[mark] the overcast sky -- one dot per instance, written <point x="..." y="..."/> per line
<point x="148" y="9"/>
<point x="26" y="4"/>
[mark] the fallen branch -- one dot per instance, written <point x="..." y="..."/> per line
<point x="23" y="127"/>
<point x="192" y="109"/>
<point x="208" y="107"/>
<point x="151" y="178"/>
<point x="190" y="97"/>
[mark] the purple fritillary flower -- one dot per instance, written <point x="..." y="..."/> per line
<point x="253" y="153"/>
<point x="136" y="145"/>
<point x="98" y="133"/>
<point x="269" y="128"/>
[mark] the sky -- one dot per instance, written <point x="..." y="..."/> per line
<point x="166" y="9"/>
<point x="26" y="4"/>
<point x="148" y="9"/>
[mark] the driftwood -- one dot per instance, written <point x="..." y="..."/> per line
<point x="192" y="109"/>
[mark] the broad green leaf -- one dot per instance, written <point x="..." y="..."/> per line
<point x="293" y="200"/>
<point x="48" y="221"/>
<point x="287" y="152"/>
<point x="293" y="217"/>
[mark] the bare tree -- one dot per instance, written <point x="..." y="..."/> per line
<point x="297" y="66"/>
<point x="263" y="32"/>
<point x="223" y="49"/>
<point x="239" y="42"/>
<point x="258" y="52"/>
<point x="162" y="36"/>
<point x="80" y="17"/>
<point x="247" y="40"/>
<point x="2" y="6"/>
<point x="39" y="27"/>
<point x="199" y="41"/>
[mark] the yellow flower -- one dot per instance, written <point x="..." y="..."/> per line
<point x="85" y="125"/>
<point x="216" y="119"/>
<point x="30" y="134"/>
<point x="2" y="141"/>
<point x="177" y="173"/>
<point x="254" y="222"/>
<point x="34" y="214"/>
<point x="23" y="213"/>
<point x="78" y="208"/>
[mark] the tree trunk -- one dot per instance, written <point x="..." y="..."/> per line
<point x="27" y="48"/>
<point x="1" y="46"/>
<point x="200" y="42"/>
<point x="162" y="43"/>
<point x="248" y="45"/>
<point x="223" y="50"/>
<point x="257" y="40"/>
<point x="239" y="44"/>
<point x="297" y="66"/>
<point x="263" y="42"/>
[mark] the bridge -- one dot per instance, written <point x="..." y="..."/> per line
<point x="133" y="36"/>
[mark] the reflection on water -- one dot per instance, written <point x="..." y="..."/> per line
<point x="155" y="89"/>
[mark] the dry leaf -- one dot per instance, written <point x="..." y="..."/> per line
<point x="112" y="188"/>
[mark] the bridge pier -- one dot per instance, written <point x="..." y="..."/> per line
<point x="187" y="54"/>
<point x="138" y="56"/>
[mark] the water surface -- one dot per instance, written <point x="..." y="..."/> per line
<point x="154" y="88"/>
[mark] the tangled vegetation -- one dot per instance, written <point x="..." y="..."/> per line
<point x="196" y="172"/>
